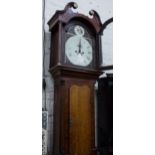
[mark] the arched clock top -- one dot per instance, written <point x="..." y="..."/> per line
<point x="67" y="15"/>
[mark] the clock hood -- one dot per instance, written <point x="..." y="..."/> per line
<point x="67" y="15"/>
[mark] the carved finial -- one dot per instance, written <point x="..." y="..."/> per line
<point x="91" y="12"/>
<point x="94" y="13"/>
<point x="71" y="4"/>
<point x="75" y="6"/>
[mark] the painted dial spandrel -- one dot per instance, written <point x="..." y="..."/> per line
<point x="78" y="49"/>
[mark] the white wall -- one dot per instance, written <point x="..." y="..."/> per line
<point x="104" y="8"/>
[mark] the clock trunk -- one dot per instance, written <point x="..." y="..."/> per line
<point x="74" y="121"/>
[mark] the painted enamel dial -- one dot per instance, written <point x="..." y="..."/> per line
<point x="78" y="49"/>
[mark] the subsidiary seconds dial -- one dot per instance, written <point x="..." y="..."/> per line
<point x="77" y="48"/>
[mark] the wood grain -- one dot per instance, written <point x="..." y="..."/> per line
<point x="80" y="120"/>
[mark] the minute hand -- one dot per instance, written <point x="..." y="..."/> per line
<point x="80" y="46"/>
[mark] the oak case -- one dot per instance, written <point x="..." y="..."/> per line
<point x="74" y="124"/>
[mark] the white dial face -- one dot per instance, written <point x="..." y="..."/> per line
<point x="78" y="50"/>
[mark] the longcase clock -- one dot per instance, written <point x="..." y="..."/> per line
<point x="74" y="64"/>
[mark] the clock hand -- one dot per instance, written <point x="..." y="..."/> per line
<point x="79" y="47"/>
<point x="80" y="51"/>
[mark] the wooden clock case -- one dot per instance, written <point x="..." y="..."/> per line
<point x="74" y="123"/>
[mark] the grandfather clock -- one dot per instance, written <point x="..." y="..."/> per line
<point x="74" y="64"/>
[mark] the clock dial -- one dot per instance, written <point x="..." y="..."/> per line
<point x="78" y="50"/>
